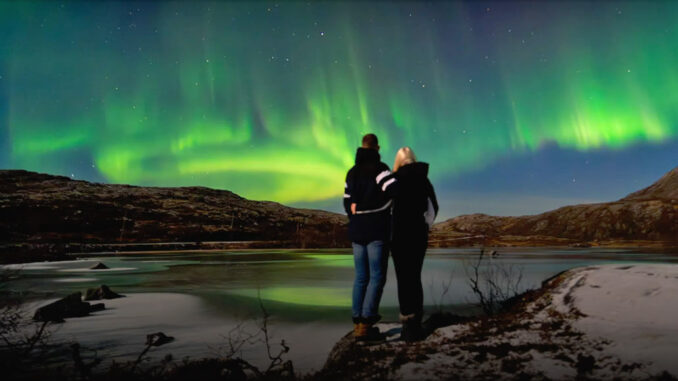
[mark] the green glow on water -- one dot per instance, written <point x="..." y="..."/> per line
<point x="308" y="296"/>
<point x="333" y="260"/>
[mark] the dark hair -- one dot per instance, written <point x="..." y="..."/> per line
<point x="370" y="141"/>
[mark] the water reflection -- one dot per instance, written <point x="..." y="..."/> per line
<point x="300" y="288"/>
<point x="300" y="278"/>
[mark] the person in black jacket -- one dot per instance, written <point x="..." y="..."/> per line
<point x="414" y="209"/>
<point x="369" y="230"/>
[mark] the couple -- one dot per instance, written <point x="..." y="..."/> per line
<point x="388" y="211"/>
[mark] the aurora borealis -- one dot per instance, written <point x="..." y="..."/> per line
<point x="269" y="100"/>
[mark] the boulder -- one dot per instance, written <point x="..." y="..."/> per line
<point x="97" y="307"/>
<point x="67" y="307"/>
<point x="102" y="292"/>
<point x="157" y="339"/>
<point x="99" y="266"/>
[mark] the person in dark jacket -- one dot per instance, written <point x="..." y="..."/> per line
<point x="369" y="231"/>
<point x="414" y="209"/>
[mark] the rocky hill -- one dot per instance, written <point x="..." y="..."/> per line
<point x="43" y="216"/>
<point x="646" y="216"/>
<point x="44" y="209"/>
<point x="665" y="188"/>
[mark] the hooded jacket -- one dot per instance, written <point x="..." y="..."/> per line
<point x="414" y="203"/>
<point x="366" y="186"/>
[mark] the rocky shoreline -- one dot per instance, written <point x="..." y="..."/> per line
<point x="598" y="322"/>
<point x="16" y="253"/>
<point x="558" y="332"/>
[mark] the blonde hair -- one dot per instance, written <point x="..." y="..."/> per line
<point x="404" y="156"/>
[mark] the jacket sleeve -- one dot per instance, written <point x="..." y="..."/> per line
<point x="431" y="205"/>
<point x="387" y="183"/>
<point x="348" y="192"/>
<point x="432" y="195"/>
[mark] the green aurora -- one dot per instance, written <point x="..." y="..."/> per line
<point x="270" y="100"/>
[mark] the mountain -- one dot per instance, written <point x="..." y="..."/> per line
<point x="55" y="210"/>
<point x="665" y="188"/>
<point x="44" y="216"/>
<point x="648" y="216"/>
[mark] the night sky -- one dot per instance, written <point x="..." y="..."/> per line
<point x="518" y="107"/>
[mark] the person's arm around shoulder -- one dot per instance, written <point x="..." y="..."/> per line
<point x="387" y="181"/>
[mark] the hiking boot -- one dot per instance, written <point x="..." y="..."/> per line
<point x="411" y="330"/>
<point x="364" y="329"/>
<point x="371" y="333"/>
<point x="357" y="328"/>
<point x="360" y="331"/>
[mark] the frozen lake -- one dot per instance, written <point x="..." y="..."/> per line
<point x="199" y="298"/>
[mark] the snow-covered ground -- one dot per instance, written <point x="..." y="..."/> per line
<point x="599" y="322"/>
<point x="634" y="307"/>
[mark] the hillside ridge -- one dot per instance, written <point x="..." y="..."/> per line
<point x="648" y="215"/>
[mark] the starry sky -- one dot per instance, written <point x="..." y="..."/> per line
<point x="519" y="107"/>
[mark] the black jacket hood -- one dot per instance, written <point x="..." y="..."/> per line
<point x="418" y="169"/>
<point x="361" y="188"/>
<point x="364" y="155"/>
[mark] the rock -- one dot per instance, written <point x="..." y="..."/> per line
<point x="585" y="363"/>
<point x="442" y="319"/>
<point x="97" y="307"/>
<point x="102" y="292"/>
<point x="157" y="339"/>
<point x="67" y="307"/>
<point x="99" y="266"/>
<point x="341" y="348"/>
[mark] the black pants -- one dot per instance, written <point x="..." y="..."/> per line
<point x="408" y="259"/>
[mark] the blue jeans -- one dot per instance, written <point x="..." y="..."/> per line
<point x="370" y="276"/>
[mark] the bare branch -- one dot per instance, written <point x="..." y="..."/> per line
<point x="493" y="281"/>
